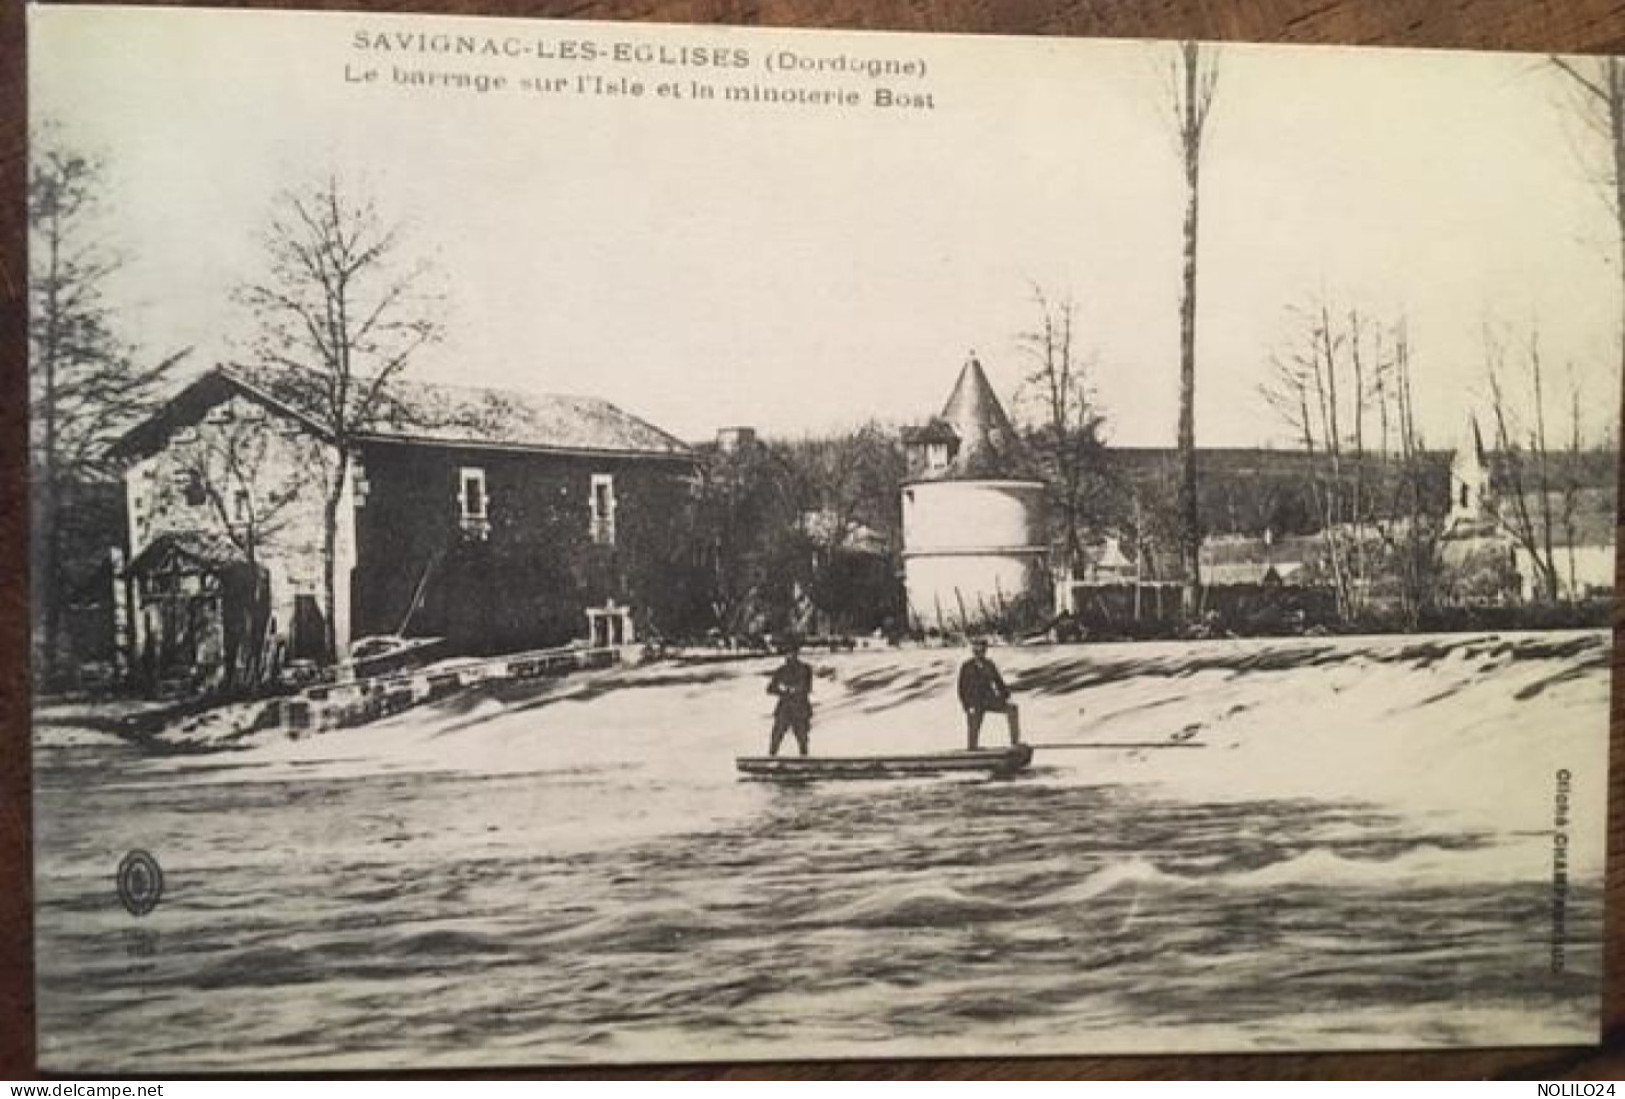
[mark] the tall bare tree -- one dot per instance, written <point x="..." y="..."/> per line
<point x="344" y="310"/>
<point x="1065" y="437"/>
<point x="1193" y="78"/>
<point x="87" y="383"/>
<point x="1414" y="525"/>
<point x="1598" y="85"/>
<point x="1312" y="393"/>
<point x="1344" y="386"/>
<point x="1535" y="494"/>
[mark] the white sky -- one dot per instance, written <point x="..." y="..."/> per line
<point x="800" y="268"/>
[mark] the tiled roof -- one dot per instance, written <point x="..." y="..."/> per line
<point x="432" y="413"/>
<point x="206" y="548"/>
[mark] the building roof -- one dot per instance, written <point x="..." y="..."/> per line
<point x="973" y="415"/>
<point x="1247" y="550"/>
<point x="823" y="526"/>
<point x="1109" y="557"/>
<point x="1252" y="572"/>
<point x="973" y="409"/>
<point x="424" y="413"/>
<point x="202" y="549"/>
<point x="934" y="432"/>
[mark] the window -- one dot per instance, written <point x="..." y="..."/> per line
<point x="472" y="501"/>
<point x="936" y="456"/>
<point x="193" y="490"/>
<point x="240" y="506"/>
<point x="603" y="509"/>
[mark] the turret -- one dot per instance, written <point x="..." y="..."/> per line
<point x="972" y="437"/>
<point x="974" y="541"/>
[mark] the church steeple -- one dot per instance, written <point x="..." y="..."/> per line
<point x="1470" y="479"/>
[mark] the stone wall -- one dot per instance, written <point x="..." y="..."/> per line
<point x="254" y="482"/>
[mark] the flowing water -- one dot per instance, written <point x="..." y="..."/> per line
<point x="615" y="898"/>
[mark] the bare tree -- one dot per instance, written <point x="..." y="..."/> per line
<point x="344" y="311"/>
<point x="1066" y="436"/>
<point x="1599" y="100"/>
<point x="1571" y="483"/>
<point x="851" y="478"/>
<point x="251" y="490"/>
<point x="749" y="521"/>
<point x="1413" y="529"/>
<point x="1535" y="495"/>
<point x="1344" y="387"/>
<point x="1310" y="393"/>
<point x="87" y="384"/>
<point x="1193" y="78"/>
<point x="848" y="516"/>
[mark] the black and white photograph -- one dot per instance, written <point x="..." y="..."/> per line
<point x="576" y="543"/>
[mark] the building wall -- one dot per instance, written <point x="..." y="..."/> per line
<point x="523" y="574"/>
<point x="1469" y="486"/>
<point x="252" y="478"/>
<point x="971" y="591"/>
<point x="972" y="551"/>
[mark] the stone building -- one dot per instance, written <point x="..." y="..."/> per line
<point x="494" y="520"/>
<point x="975" y="545"/>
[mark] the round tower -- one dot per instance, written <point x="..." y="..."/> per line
<point x="975" y="550"/>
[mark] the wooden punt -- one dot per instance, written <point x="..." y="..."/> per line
<point x="996" y="762"/>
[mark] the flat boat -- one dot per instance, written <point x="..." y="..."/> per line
<point x="997" y="762"/>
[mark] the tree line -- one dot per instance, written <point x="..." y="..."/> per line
<point x="345" y="295"/>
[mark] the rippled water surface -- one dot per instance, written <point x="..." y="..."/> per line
<point x="634" y="900"/>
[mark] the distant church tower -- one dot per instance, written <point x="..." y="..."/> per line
<point x="974" y="541"/>
<point x="1470" y="484"/>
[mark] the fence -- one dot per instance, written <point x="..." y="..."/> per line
<point x="1156" y="609"/>
<point x="1107" y="611"/>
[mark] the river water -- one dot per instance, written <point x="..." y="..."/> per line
<point x="354" y="901"/>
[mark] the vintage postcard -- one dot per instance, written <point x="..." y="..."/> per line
<point x="580" y="542"/>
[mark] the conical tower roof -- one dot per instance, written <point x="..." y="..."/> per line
<point x="974" y="412"/>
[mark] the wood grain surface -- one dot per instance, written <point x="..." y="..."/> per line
<point x="1579" y="26"/>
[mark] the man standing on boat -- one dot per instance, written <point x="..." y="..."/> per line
<point x="792" y="683"/>
<point x="982" y="690"/>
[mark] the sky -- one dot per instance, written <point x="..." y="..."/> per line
<point x="805" y="268"/>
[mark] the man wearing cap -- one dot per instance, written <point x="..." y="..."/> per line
<point x="981" y="691"/>
<point x="792" y="683"/>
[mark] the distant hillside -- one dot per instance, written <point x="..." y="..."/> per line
<point x="1247" y="490"/>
